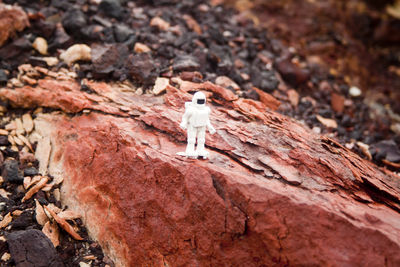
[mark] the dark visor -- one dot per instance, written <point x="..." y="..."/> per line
<point x="201" y="101"/>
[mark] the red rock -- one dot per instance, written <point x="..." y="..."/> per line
<point x="192" y="24"/>
<point x="337" y="102"/>
<point x="272" y="193"/>
<point x="12" y="20"/>
<point x="267" y="99"/>
<point x="292" y="73"/>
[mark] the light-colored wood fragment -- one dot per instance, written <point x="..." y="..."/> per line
<point x="11" y="140"/>
<point x="52" y="232"/>
<point x="26" y="142"/>
<point x="54" y="208"/>
<point x="330" y="123"/>
<point x="41" y="216"/>
<point x="35" y="188"/>
<point x="64" y="225"/>
<point x="14" y="148"/>
<point x="4" y="193"/>
<point x="3" y="132"/>
<point x="18" y="141"/>
<point x="11" y="126"/>
<point x="27" y="182"/>
<point x="57" y="194"/>
<point x="6" y="221"/>
<point x="27" y="122"/>
<point x="6" y="256"/>
<point x="89" y="257"/>
<point x="43" y="154"/>
<point x="68" y="215"/>
<point x="18" y="124"/>
<point x="17" y="213"/>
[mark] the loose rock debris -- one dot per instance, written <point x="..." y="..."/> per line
<point x="30" y="208"/>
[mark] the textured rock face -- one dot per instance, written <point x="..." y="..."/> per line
<point x="12" y="19"/>
<point x="272" y="193"/>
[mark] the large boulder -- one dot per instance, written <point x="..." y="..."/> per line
<point x="272" y="193"/>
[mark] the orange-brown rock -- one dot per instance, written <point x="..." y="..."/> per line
<point x="12" y="19"/>
<point x="273" y="193"/>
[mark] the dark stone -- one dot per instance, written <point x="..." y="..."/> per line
<point x="61" y="39"/>
<point x="220" y="57"/>
<point x="92" y="32"/>
<point x="111" y="8"/>
<point x="265" y="80"/>
<point x="74" y="21"/>
<point x="11" y="172"/>
<point x="185" y="63"/>
<point x="291" y="73"/>
<point x="3" y="77"/>
<point x="31" y="171"/>
<point x="142" y="69"/>
<point x="23" y="221"/>
<point x="122" y="32"/>
<point x="108" y="58"/>
<point x="32" y="248"/>
<point x="61" y="4"/>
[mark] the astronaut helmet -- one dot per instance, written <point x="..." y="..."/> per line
<point x="199" y="99"/>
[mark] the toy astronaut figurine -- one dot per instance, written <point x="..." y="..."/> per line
<point x="196" y="120"/>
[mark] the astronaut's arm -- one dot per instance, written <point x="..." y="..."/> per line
<point x="185" y="119"/>
<point x="210" y="128"/>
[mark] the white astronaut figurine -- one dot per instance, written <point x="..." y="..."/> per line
<point x="195" y="120"/>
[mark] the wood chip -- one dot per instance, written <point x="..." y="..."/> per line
<point x="160" y="85"/>
<point x="6" y="256"/>
<point x="17" y="213"/>
<point x="57" y="194"/>
<point x="18" y="141"/>
<point x="54" y="208"/>
<point x="11" y="126"/>
<point x="52" y="232"/>
<point x="6" y="221"/>
<point x="32" y="181"/>
<point x="4" y="193"/>
<point x="365" y="149"/>
<point x="392" y="164"/>
<point x="159" y="23"/>
<point x="330" y="123"/>
<point x="11" y="140"/>
<point x="25" y="141"/>
<point x="293" y="97"/>
<point x="27" y="181"/>
<point x="41" y="216"/>
<point x="89" y="257"/>
<point x="3" y="132"/>
<point x="43" y="154"/>
<point x="69" y="215"/>
<point x="64" y="225"/>
<point x="27" y="122"/>
<point x="20" y="128"/>
<point x="141" y="48"/>
<point x="35" y="188"/>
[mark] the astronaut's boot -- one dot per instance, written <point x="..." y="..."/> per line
<point x="190" y="152"/>
<point x="201" y="151"/>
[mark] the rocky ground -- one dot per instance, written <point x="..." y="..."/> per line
<point x="141" y="47"/>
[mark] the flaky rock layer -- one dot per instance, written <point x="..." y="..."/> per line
<point x="272" y="192"/>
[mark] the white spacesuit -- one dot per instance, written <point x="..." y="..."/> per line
<point x="195" y="120"/>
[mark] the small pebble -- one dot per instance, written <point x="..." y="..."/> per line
<point x="355" y="91"/>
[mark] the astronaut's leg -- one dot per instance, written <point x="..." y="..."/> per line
<point x="191" y="140"/>
<point x="201" y="139"/>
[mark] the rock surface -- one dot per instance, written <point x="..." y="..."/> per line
<point x="12" y="19"/>
<point x="272" y="193"/>
<point x="32" y="248"/>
